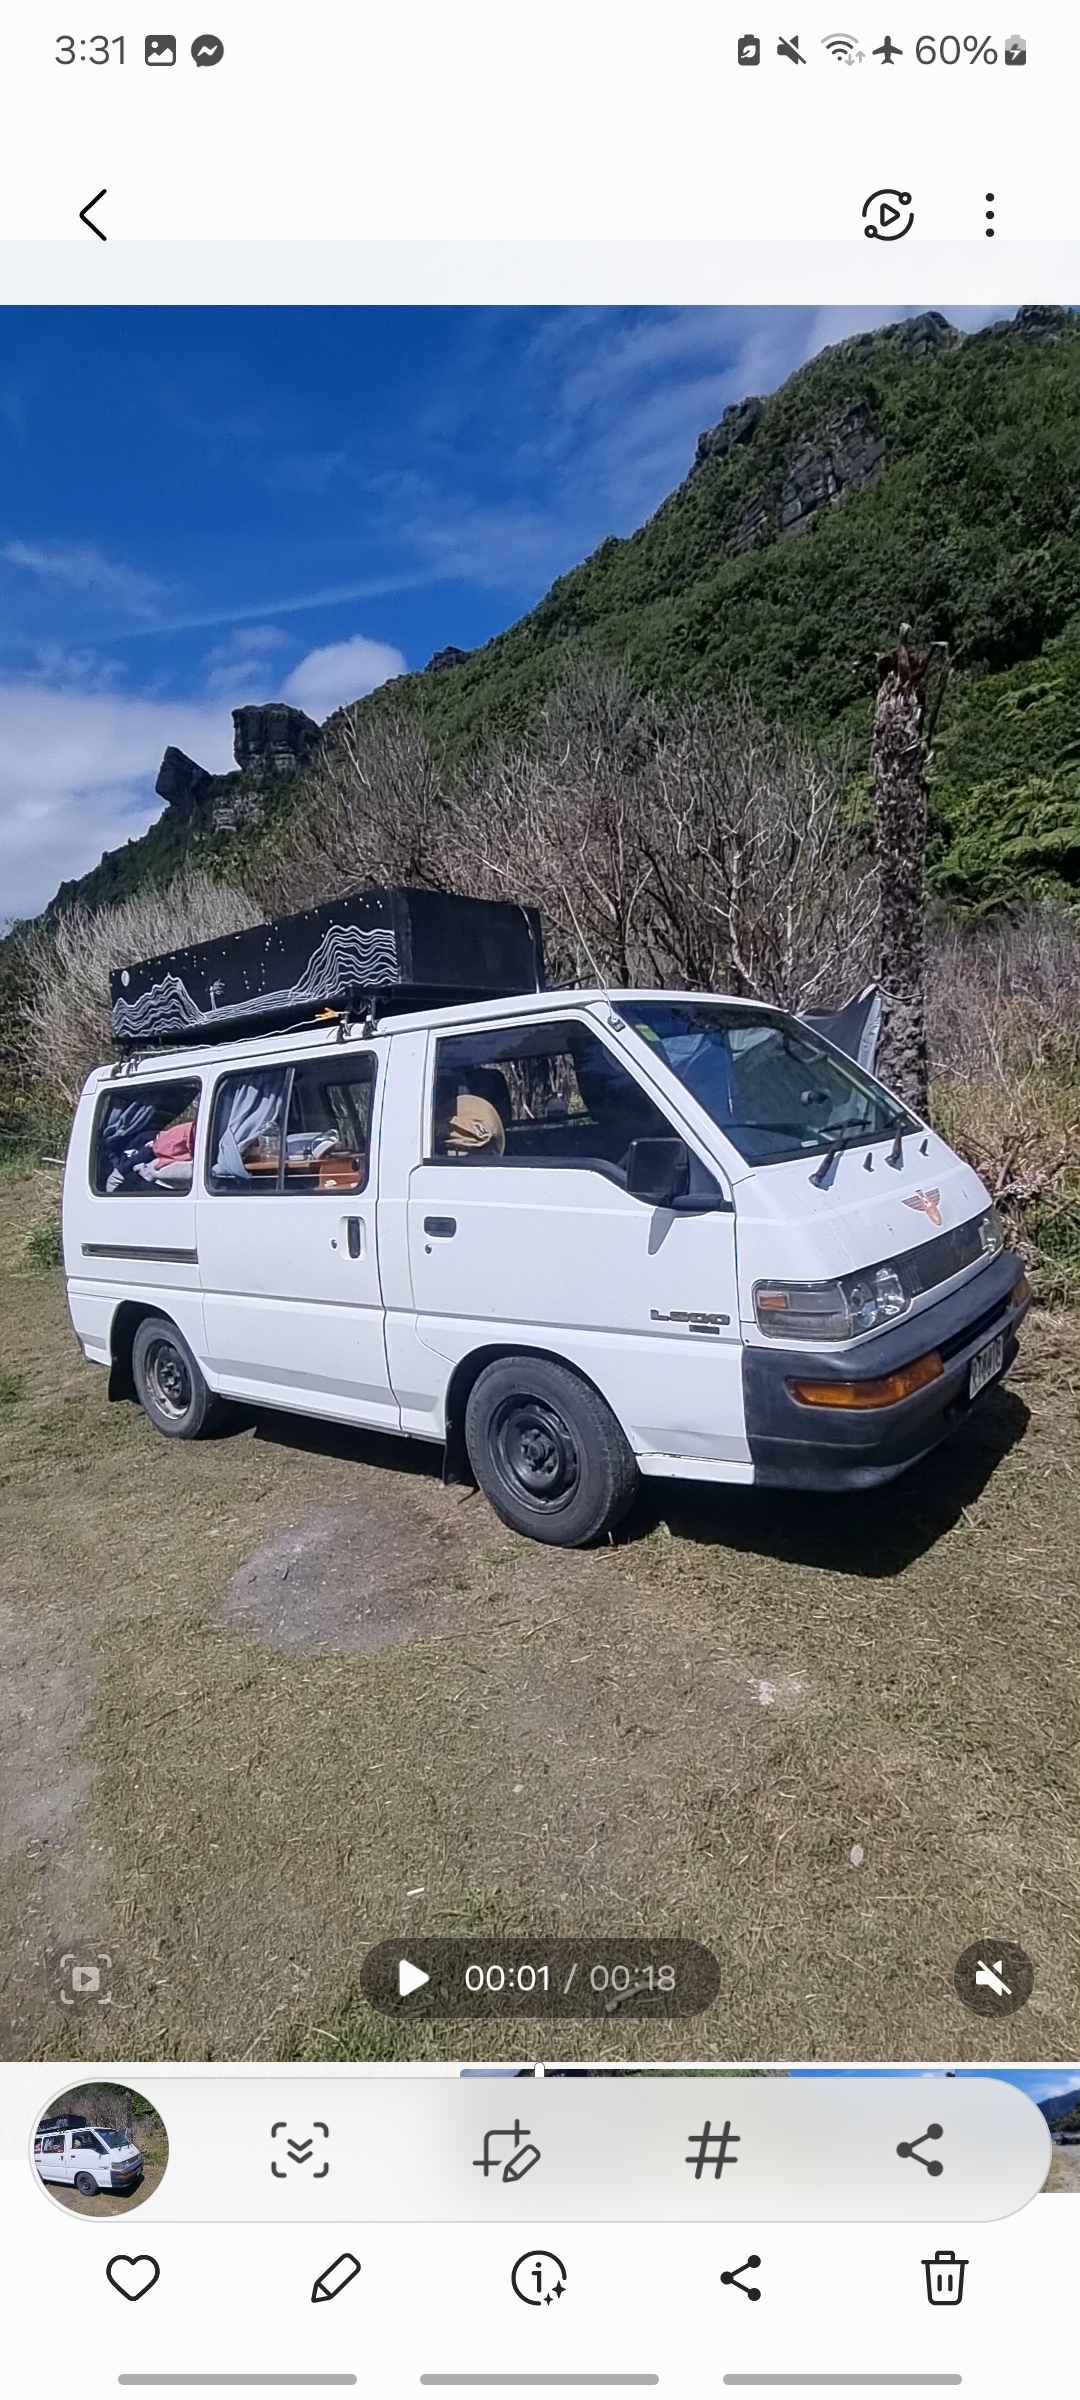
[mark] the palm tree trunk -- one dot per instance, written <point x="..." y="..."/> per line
<point x="910" y="688"/>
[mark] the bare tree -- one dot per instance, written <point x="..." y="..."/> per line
<point x="911" y="686"/>
<point x="373" y="811"/>
<point x="674" y="843"/>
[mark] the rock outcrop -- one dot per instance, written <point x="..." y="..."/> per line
<point x="269" y="740"/>
<point x="273" y="739"/>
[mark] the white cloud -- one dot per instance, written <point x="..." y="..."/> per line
<point x="77" y="776"/>
<point x="80" y="567"/>
<point x="77" y="767"/>
<point x="343" y="671"/>
<point x="240" y="668"/>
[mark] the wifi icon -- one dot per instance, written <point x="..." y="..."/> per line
<point x="844" y="48"/>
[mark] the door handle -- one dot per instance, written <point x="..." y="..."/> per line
<point x="442" y="1227"/>
<point x="355" y="1236"/>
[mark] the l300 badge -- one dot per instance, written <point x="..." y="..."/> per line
<point x="697" y="1319"/>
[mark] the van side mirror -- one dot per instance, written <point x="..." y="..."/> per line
<point x="657" y="1170"/>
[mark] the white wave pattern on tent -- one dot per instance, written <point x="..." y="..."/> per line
<point x="346" y="956"/>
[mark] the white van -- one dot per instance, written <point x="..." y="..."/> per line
<point x="576" y="1237"/>
<point x="94" y="2158"/>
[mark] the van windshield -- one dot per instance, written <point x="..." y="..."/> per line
<point x="772" y="1086"/>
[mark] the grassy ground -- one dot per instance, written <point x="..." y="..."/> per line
<point x="118" y="2204"/>
<point x="688" y="1733"/>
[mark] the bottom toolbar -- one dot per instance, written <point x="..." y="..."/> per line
<point x="688" y="2311"/>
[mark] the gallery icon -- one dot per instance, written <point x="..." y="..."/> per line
<point x="749" y="50"/>
<point x="159" y="49"/>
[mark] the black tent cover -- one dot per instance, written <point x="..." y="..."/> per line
<point x="390" y="948"/>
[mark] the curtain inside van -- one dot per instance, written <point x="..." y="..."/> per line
<point x="252" y="1105"/>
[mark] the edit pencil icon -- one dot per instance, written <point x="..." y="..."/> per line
<point x="334" y="2279"/>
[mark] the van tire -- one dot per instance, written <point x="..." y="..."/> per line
<point x="170" y="1384"/>
<point x="547" y="1452"/>
<point x="87" y="2185"/>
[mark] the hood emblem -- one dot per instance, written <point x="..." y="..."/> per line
<point x="927" y="1202"/>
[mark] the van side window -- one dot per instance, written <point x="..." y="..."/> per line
<point x="550" y="1095"/>
<point x="324" y="1105"/>
<point x="326" y="1137"/>
<point x="245" y="1136"/>
<point x="145" y="1140"/>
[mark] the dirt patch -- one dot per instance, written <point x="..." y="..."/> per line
<point x="361" y="1579"/>
<point x="1064" y="2175"/>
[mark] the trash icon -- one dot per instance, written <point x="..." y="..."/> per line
<point x="945" y="2279"/>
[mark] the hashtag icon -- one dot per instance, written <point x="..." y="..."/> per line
<point x="712" y="2149"/>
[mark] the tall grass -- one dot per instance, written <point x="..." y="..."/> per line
<point x="1004" y="1025"/>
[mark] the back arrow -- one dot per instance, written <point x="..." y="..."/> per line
<point x="84" y="215"/>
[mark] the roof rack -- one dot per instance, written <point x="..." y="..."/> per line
<point x="389" y="948"/>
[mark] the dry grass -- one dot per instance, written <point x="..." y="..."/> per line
<point x="65" y="1026"/>
<point x="685" y="1734"/>
<point x="1004" y="1021"/>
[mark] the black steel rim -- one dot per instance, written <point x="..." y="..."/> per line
<point x="167" y="1379"/>
<point x="535" y="1452"/>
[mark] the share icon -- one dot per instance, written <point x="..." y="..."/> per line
<point x="732" y="2274"/>
<point x="912" y="2150"/>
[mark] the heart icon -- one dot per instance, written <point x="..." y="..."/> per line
<point x="133" y="2276"/>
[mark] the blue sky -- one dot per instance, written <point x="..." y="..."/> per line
<point x="205" y="506"/>
<point x="1040" y="2083"/>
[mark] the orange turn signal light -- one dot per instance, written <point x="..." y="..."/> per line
<point x="1020" y="1292"/>
<point x="881" y="1393"/>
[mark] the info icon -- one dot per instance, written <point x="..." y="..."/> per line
<point x="749" y="50"/>
<point x="993" y="1977"/>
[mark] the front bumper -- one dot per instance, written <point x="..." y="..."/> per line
<point x="837" y="1449"/>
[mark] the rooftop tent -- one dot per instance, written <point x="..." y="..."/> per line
<point x="395" y="946"/>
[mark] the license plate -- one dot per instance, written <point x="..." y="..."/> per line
<point x="986" y="1364"/>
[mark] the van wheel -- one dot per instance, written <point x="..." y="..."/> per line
<point x="169" y="1383"/>
<point x="87" y="2186"/>
<point x="547" y="1452"/>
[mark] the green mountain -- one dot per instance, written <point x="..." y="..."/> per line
<point x="914" y="474"/>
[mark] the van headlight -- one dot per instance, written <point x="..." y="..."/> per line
<point x="991" y="1233"/>
<point x="831" y="1312"/>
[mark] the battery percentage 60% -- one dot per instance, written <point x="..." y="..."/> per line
<point x="947" y="50"/>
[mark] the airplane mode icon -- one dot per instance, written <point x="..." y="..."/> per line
<point x="888" y="51"/>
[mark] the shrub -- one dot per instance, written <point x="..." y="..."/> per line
<point x="68" y="959"/>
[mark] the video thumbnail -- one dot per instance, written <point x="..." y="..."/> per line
<point x="540" y="1204"/>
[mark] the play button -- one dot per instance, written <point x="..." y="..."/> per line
<point x="409" y="1978"/>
